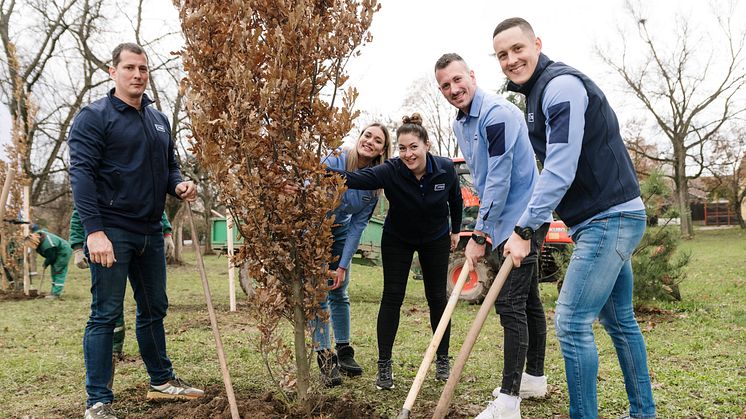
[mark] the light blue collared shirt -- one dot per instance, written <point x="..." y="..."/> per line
<point x="494" y="142"/>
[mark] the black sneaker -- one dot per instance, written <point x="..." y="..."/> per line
<point x="347" y="363"/>
<point x="329" y="368"/>
<point x="385" y="380"/>
<point x="442" y="368"/>
<point x="100" y="411"/>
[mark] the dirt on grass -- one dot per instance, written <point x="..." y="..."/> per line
<point x="17" y="295"/>
<point x="131" y="404"/>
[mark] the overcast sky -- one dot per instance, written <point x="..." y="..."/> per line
<point x="409" y="35"/>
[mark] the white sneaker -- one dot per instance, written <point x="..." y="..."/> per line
<point x="100" y="411"/>
<point x="497" y="410"/>
<point x="531" y="387"/>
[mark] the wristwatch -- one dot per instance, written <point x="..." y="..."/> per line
<point x="479" y="239"/>
<point x="524" y="232"/>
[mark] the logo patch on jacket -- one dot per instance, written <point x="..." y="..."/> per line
<point x="160" y="127"/>
<point x="366" y="198"/>
<point x="530" y="117"/>
<point x="440" y="187"/>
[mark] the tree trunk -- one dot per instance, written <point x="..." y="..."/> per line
<point x="208" y="234"/>
<point x="177" y="230"/>
<point x="179" y="245"/>
<point x="736" y="207"/>
<point x="682" y="190"/>
<point x="299" y="331"/>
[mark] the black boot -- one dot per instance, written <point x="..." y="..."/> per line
<point x="442" y="368"/>
<point x="385" y="380"/>
<point x="329" y="368"/>
<point x="347" y="363"/>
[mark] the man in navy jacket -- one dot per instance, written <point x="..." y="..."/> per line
<point x="122" y="164"/>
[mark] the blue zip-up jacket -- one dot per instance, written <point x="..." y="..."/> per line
<point x="122" y="164"/>
<point x="494" y="142"/>
<point x="575" y="135"/>
<point x="419" y="209"/>
<point x="354" y="211"/>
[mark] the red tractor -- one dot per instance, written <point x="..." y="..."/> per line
<point x="557" y="243"/>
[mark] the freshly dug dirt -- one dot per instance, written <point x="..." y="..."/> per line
<point x="14" y="295"/>
<point x="250" y="405"/>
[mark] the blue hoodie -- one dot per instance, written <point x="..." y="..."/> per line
<point x="354" y="211"/>
<point x="122" y="164"/>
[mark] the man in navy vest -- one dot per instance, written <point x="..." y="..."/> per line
<point x="589" y="180"/>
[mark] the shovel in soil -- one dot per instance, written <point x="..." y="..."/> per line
<point x="445" y="398"/>
<point x="437" y="337"/>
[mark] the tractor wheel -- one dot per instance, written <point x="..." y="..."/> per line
<point x="478" y="282"/>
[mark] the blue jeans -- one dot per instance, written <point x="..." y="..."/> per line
<point x="338" y="300"/>
<point x="141" y="258"/>
<point x="599" y="284"/>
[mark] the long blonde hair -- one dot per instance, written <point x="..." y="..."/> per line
<point x="352" y="156"/>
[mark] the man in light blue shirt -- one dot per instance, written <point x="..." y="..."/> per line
<point x="494" y="141"/>
<point x="589" y="179"/>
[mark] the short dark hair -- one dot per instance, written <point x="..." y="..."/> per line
<point x="116" y="55"/>
<point x="447" y="59"/>
<point x="513" y="22"/>
<point x="413" y="125"/>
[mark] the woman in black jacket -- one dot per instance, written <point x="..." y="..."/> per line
<point x="422" y="190"/>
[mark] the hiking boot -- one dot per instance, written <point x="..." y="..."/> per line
<point x="442" y="368"/>
<point x="385" y="380"/>
<point x="498" y="410"/>
<point x="531" y="387"/>
<point x="329" y="368"/>
<point x="100" y="411"/>
<point x="347" y="363"/>
<point x="175" y="388"/>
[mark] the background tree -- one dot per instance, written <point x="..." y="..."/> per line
<point x="13" y="179"/>
<point x="264" y="87"/>
<point x="690" y="89"/>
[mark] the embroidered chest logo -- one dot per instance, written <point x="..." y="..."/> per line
<point x="159" y="127"/>
<point x="366" y="198"/>
<point x="530" y="117"/>
<point x="439" y="187"/>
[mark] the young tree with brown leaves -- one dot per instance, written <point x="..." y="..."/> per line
<point x="264" y="80"/>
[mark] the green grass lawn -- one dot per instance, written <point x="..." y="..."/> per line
<point x="697" y="348"/>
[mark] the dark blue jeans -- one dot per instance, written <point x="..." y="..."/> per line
<point x="141" y="258"/>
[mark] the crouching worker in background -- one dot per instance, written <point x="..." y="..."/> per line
<point x="56" y="252"/>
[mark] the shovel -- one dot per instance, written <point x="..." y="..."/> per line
<point x="437" y="337"/>
<point x="213" y="319"/>
<point x="471" y="338"/>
